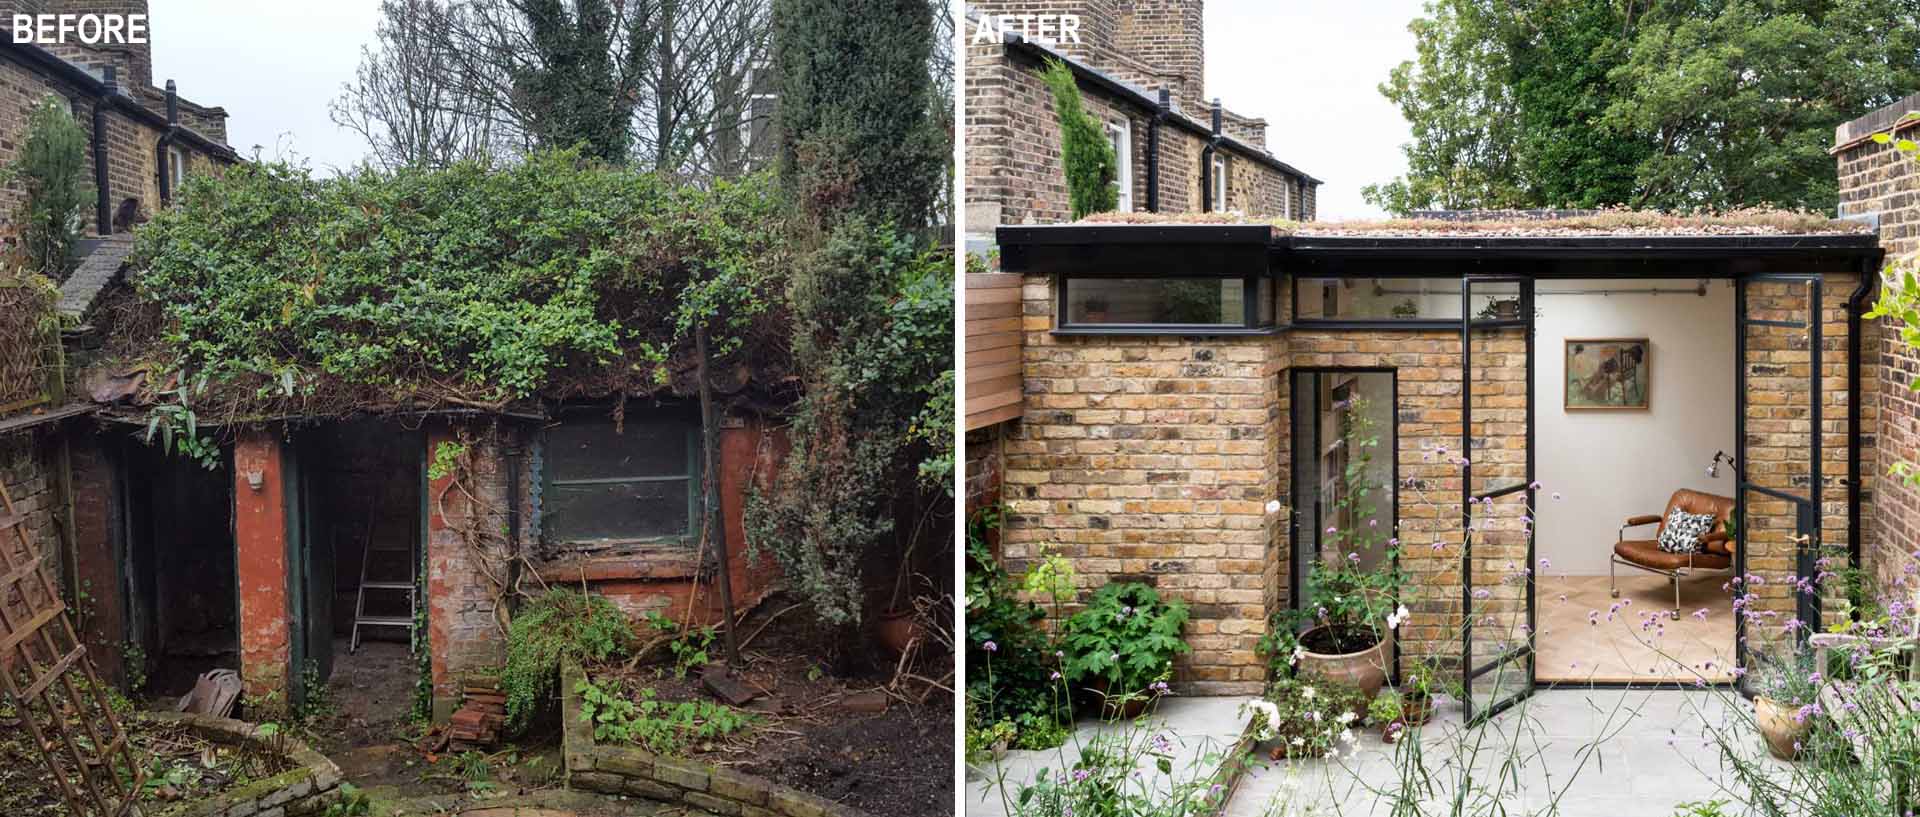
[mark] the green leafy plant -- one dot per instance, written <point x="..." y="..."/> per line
<point x="1307" y="716"/>
<point x="1084" y="149"/>
<point x="1385" y="708"/>
<point x="688" y="645"/>
<point x="1701" y="808"/>
<point x="557" y="627"/>
<point x="1018" y="682"/>
<point x="353" y="802"/>
<point x="179" y="427"/>
<point x="52" y="167"/>
<point x="1125" y="639"/>
<point x="662" y="727"/>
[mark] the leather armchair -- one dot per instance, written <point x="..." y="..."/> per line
<point x="1715" y="554"/>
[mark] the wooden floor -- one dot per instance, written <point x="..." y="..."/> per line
<point x="1576" y="645"/>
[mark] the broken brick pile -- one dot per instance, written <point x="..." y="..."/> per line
<point x="482" y="714"/>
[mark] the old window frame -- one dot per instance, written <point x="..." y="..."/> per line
<point x="598" y="416"/>
<point x="1120" y="134"/>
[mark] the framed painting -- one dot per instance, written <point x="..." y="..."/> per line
<point x="1608" y="374"/>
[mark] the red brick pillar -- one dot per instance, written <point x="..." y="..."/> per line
<point x="260" y="544"/>
<point x="463" y="631"/>
<point x="441" y="541"/>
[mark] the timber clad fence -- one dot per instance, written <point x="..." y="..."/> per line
<point x="993" y="349"/>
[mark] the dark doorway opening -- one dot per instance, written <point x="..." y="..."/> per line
<point x="179" y="567"/>
<point x="356" y="561"/>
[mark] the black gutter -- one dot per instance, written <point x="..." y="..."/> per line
<point x="37" y="58"/>
<point x="1856" y="311"/>
<point x="1101" y="80"/>
<point x="1153" y="149"/>
<point x="162" y="147"/>
<point x="102" y="187"/>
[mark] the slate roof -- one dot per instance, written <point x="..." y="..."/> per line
<point x="99" y="268"/>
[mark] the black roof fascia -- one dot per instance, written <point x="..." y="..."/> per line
<point x="1208" y="249"/>
<point x="35" y="57"/>
<point x="1100" y="79"/>
<point x="1234" y="250"/>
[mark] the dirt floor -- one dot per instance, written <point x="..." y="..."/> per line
<point x="181" y="766"/>
<point x="848" y="738"/>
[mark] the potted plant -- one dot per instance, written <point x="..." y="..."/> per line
<point x="1417" y="693"/>
<point x="1406" y="309"/>
<point x="1096" y="310"/>
<point x="1306" y="717"/>
<point x="1351" y="606"/>
<point x="1121" y="646"/>
<point x="1387" y="713"/>
<point x="1785" y="702"/>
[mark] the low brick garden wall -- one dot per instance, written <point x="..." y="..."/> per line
<point x="632" y="771"/>
<point x="303" y="791"/>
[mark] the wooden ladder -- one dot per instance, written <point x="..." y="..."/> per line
<point x="71" y="722"/>
<point x="384" y="586"/>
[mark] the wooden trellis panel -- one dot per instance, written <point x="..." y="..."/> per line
<point x="46" y="675"/>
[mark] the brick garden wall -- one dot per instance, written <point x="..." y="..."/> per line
<point x="1876" y="180"/>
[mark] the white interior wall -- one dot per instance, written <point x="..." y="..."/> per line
<point x="1609" y="465"/>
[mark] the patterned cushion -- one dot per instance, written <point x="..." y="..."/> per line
<point x="1683" y="531"/>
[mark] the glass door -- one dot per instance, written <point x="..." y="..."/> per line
<point x="1777" y="461"/>
<point x="1496" y="464"/>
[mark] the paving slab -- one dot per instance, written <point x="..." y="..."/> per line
<point x="1583" y="753"/>
<point x="1200" y="731"/>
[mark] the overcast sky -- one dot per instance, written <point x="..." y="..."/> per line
<point x="274" y="67"/>
<point x="1312" y="69"/>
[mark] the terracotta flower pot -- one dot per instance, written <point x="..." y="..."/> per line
<point x="1416" y="710"/>
<point x="1109" y="705"/>
<point x="1782" y="733"/>
<point x="895" y="629"/>
<point x="1365" y="670"/>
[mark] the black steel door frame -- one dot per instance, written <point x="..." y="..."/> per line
<point x="1524" y="652"/>
<point x="1806" y="508"/>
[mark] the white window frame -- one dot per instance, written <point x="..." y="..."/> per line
<point x="1219" y="183"/>
<point x="1120" y="135"/>
<point x="176" y="169"/>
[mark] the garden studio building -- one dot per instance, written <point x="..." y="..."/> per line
<point x="1511" y="408"/>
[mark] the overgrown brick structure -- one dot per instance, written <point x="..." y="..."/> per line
<point x="1166" y="455"/>
<point x="1140" y="70"/>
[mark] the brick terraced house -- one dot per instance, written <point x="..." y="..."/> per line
<point x="1140" y="66"/>
<point x="1539" y="386"/>
<point x="143" y="141"/>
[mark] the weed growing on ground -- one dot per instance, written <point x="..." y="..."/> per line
<point x="661" y="727"/>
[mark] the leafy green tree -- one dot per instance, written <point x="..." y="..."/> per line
<point x="52" y="166"/>
<point x="1740" y="98"/>
<point x="574" y="90"/>
<point x="1666" y="105"/>
<point x="1084" y="149"/>
<point x="873" y="340"/>
<point x="859" y="134"/>
<point x="1461" y="111"/>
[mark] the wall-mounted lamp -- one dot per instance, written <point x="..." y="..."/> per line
<point x="1713" y="468"/>
<point x="255" y="479"/>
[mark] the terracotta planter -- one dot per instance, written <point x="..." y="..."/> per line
<point x="1365" y="670"/>
<point x="1416" y="711"/>
<point x="1130" y="710"/>
<point x="1778" y="727"/>
<point x="896" y="629"/>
